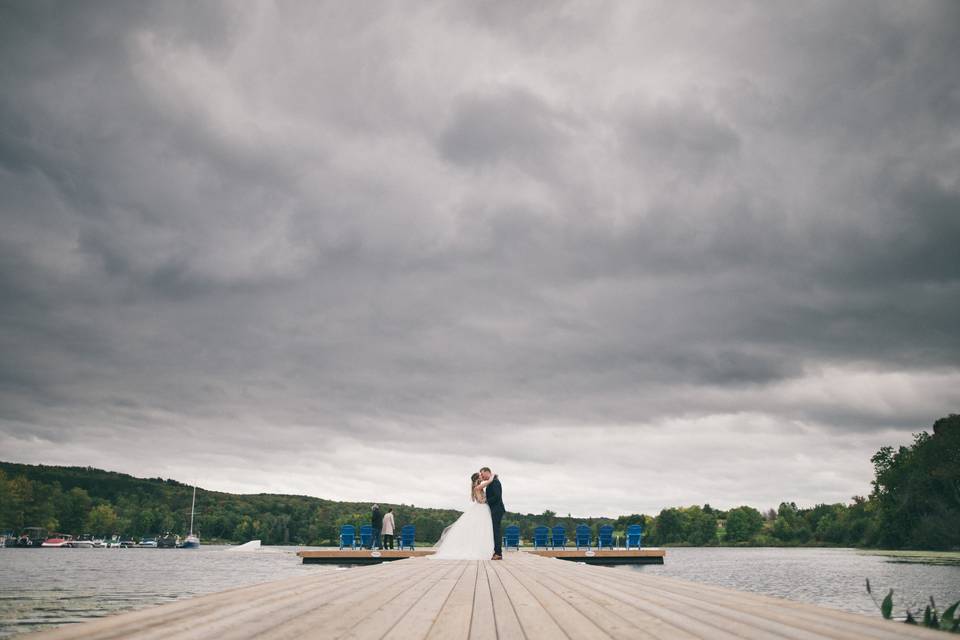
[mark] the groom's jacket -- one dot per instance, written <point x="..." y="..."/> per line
<point x="495" y="496"/>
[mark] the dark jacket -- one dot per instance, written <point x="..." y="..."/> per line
<point x="495" y="496"/>
<point x="376" y="519"/>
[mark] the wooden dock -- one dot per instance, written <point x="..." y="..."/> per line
<point x="360" y="556"/>
<point x="648" y="555"/>
<point x="523" y="596"/>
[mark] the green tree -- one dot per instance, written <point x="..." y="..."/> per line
<point x="671" y="526"/>
<point x="102" y="520"/>
<point x="917" y="490"/>
<point x="743" y="523"/>
<point x="790" y="526"/>
<point x="701" y="526"/>
<point x="73" y="509"/>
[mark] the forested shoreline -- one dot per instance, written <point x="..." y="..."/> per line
<point x="914" y="504"/>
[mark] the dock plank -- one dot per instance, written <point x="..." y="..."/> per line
<point x="483" y="625"/>
<point x="615" y="618"/>
<point x="381" y="621"/>
<point x="456" y="617"/>
<point x="523" y="597"/>
<point x="678" y="619"/>
<point x="535" y="620"/>
<point x="505" y="614"/>
<point x="340" y="613"/>
<point x="417" y="621"/>
<point x="786" y="614"/>
<point x="570" y="618"/>
<point x="746" y="615"/>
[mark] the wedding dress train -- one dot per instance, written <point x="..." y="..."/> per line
<point x="469" y="538"/>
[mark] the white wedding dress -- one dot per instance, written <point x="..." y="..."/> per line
<point x="469" y="538"/>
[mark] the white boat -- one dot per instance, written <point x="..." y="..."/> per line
<point x="58" y="540"/>
<point x="86" y="541"/>
<point x="148" y="543"/>
<point x="192" y="541"/>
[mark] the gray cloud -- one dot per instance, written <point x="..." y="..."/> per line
<point x="329" y="247"/>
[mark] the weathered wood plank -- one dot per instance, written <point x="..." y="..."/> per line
<point x="385" y="618"/>
<point x="343" y="611"/>
<point x="505" y="615"/>
<point x="417" y="621"/>
<point x="483" y="625"/>
<point x="455" y="618"/>
<point x="191" y="617"/>
<point x="534" y="619"/>
<point x="741" y="613"/>
<point x="522" y="597"/>
<point x="784" y="613"/>
<point x="615" y="618"/>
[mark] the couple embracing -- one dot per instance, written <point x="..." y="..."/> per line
<point x="476" y="534"/>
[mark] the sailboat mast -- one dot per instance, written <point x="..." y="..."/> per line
<point x="192" y="505"/>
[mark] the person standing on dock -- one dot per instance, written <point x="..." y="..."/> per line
<point x="376" y="521"/>
<point x="495" y="502"/>
<point x="387" y="529"/>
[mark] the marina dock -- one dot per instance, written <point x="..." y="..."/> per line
<point x="647" y="555"/>
<point x="523" y="596"/>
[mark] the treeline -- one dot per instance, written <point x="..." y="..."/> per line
<point x="78" y="500"/>
<point x="915" y="503"/>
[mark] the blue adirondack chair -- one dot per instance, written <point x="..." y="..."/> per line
<point x="511" y="537"/>
<point x="583" y="536"/>
<point x="348" y="537"/>
<point x="366" y="536"/>
<point x="605" y="537"/>
<point x="558" y="537"/>
<point x="406" y="536"/>
<point x="634" y="536"/>
<point x="541" y="537"/>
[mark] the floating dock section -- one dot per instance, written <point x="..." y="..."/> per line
<point x="590" y="556"/>
<point x="359" y="556"/>
<point x="523" y="597"/>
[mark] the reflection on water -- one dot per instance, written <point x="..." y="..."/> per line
<point x="44" y="587"/>
<point x="829" y="577"/>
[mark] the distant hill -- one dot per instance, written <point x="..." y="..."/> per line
<point x="79" y="500"/>
<point x="88" y="500"/>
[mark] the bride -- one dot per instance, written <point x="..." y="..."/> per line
<point x="471" y="536"/>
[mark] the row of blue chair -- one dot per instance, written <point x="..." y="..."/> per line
<point x="350" y="540"/>
<point x="545" y="537"/>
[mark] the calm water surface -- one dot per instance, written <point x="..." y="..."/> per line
<point x="40" y="588"/>
<point x="829" y="577"/>
<point x="46" y="587"/>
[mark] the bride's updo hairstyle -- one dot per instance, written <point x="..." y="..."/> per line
<point x="474" y="481"/>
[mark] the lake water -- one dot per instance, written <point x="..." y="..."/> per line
<point x="828" y="577"/>
<point x="46" y="587"/>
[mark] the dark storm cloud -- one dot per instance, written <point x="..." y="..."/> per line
<point x="349" y="244"/>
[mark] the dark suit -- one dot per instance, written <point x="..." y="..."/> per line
<point x="376" y="521"/>
<point x="495" y="502"/>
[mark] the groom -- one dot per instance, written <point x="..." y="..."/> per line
<point x="495" y="502"/>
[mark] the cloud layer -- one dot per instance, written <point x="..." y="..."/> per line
<point x="631" y="256"/>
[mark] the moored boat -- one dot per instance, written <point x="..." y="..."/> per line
<point x="168" y="541"/>
<point x="58" y="540"/>
<point x="30" y="538"/>
<point x="192" y="541"/>
<point x="148" y="543"/>
<point x="86" y="541"/>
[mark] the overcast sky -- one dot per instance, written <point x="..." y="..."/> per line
<point x="630" y="255"/>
